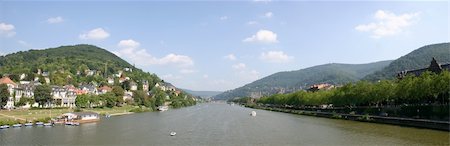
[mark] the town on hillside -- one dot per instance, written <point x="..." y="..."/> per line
<point x="22" y="92"/>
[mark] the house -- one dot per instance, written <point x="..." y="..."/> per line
<point x="145" y="86"/>
<point x="110" y="81"/>
<point x="434" y="67"/>
<point x="22" y="76"/>
<point x="89" y="72"/>
<point x="128" y="69"/>
<point x="45" y="74"/>
<point x="165" y="86"/>
<point x="64" y="96"/>
<point x="322" y="86"/>
<point x="11" y="85"/>
<point x="89" y="89"/>
<point x="133" y="86"/>
<point x="104" y="89"/>
<point x="81" y="117"/>
<point x="127" y="95"/>
<point x="26" y="90"/>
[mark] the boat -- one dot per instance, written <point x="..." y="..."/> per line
<point x="48" y="124"/>
<point x="4" y="127"/>
<point x="163" y="108"/>
<point x="107" y="115"/>
<point x="253" y="113"/>
<point x="28" y="124"/>
<point x="75" y="124"/>
<point x="68" y="123"/>
<point x="40" y="123"/>
<point x="17" y="125"/>
<point x="173" y="133"/>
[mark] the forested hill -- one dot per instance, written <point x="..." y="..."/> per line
<point x="69" y="65"/>
<point x="417" y="59"/>
<point x="290" y="81"/>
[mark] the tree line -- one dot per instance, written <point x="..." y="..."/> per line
<point x="428" y="88"/>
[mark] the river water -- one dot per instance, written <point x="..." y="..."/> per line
<point x="222" y="124"/>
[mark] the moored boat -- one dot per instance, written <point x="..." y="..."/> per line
<point x="48" y="124"/>
<point x="17" y="125"/>
<point x="28" y="124"/>
<point x="4" y="127"/>
<point x="39" y="123"/>
<point x="173" y="133"/>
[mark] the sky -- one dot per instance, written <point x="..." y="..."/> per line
<point x="222" y="45"/>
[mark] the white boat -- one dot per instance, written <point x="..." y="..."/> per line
<point x="48" y="124"/>
<point x="173" y="133"/>
<point x="75" y="124"/>
<point x="253" y="113"/>
<point x="40" y="123"/>
<point x="17" y="125"/>
<point x="28" y="124"/>
<point x="163" y="108"/>
<point x="4" y="126"/>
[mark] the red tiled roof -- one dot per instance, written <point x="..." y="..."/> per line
<point x="6" y="80"/>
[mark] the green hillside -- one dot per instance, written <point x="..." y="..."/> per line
<point x="69" y="65"/>
<point x="296" y="80"/>
<point x="417" y="59"/>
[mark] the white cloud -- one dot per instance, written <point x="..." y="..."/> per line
<point x="128" y="44"/>
<point x="239" y="66"/>
<point x="388" y="23"/>
<point x="252" y="23"/>
<point x="95" y="34"/>
<point x="268" y="15"/>
<point x="187" y="71"/>
<point x="276" y="57"/>
<point x="230" y="57"/>
<point x="7" y="30"/>
<point x="224" y="18"/>
<point x="54" y="20"/>
<point x="205" y="76"/>
<point x="174" y="59"/>
<point x="130" y="49"/>
<point x="263" y="36"/>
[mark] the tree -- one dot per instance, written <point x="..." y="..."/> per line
<point x="139" y="97"/>
<point x="110" y="99"/>
<point x="82" y="101"/>
<point x="4" y="95"/>
<point x="42" y="94"/>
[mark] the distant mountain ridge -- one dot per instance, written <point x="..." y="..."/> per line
<point x="417" y="59"/>
<point x="290" y="81"/>
<point x="203" y="94"/>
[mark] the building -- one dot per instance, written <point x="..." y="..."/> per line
<point x="104" y="89"/>
<point x="81" y="117"/>
<point x="63" y="96"/>
<point x="11" y="85"/>
<point x="322" y="86"/>
<point x="89" y="89"/>
<point x="165" y="86"/>
<point x="110" y="81"/>
<point x="434" y="67"/>
<point x="145" y="86"/>
<point x="133" y="86"/>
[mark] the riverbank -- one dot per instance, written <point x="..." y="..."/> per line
<point x="10" y="117"/>
<point x="418" y="123"/>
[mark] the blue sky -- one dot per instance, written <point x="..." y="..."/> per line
<point x="203" y="45"/>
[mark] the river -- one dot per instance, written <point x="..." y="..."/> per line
<point x="222" y="124"/>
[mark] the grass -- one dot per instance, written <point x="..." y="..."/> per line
<point x="39" y="114"/>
